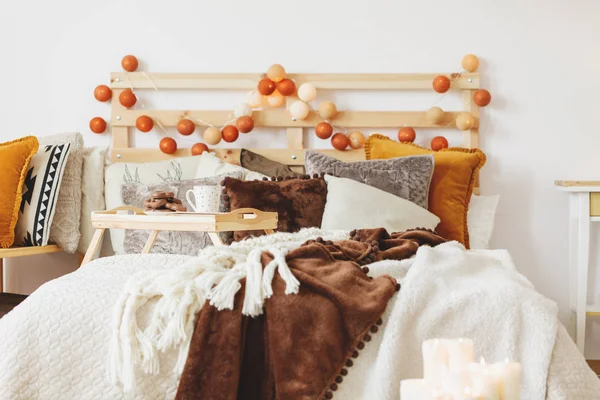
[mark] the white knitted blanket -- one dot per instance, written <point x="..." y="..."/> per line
<point x="180" y="293"/>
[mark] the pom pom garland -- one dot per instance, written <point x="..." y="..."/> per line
<point x="465" y="121"/>
<point x="98" y="125"/>
<point x="186" y="127"/>
<point x="407" y="134"/>
<point x="340" y="141"/>
<point x="327" y="110"/>
<point x="127" y="98"/>
<point x="441" y="84"/>
<point x="102" y="93"/>
<point x="482" y="97"/>
<point x="438" y="143"/>
<point x="299" y="110"/>
<point x="286" y="87"/>
<point x="242" y="109"/>
<point x="199" y="148"/>
<point x="230" y="133"/>
<point x="244" y="124"/>
<point x="144" y="123"/>
<point x="307" y="92"/>
<point x="276" y="73"/>
<point x="168" y="145"/>
<point x="212" y="135"/>
<point x="324" y="130"/>
<point x="129" y="63"/>
<point x="357" y="139"/>
<point x="266" y="86"/>
<point x="470" y="62"/>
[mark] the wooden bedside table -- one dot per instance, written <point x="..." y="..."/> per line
<point x="584" y="208"/>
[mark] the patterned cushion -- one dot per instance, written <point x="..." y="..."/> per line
<point x="40" y="194"/>
<point x="67" y="216"/>
<point x="406" y="177"/>
<point x="168" y="242"/>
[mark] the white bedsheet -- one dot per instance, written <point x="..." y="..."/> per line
<point x="54" y="345"/>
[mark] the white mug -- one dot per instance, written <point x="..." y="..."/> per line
<point x="206" y="198"/>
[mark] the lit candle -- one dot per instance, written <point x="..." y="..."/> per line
<point x="460" y="353"/>
<point x="508" y="378"/>
<point x="435" y="360"/>
<point x="483" y="380"/>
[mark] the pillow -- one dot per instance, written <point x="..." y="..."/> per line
<point x="116" y="174"/>
<point x="14" y="162"/>
<point x="168" y="242"/>
<point x="67" y="215"/>
<point x="406" y="177"/>
<point x="257" y="163"/>
<point x="211" y="165"/>
<point x="452" y="183"/>
<point x="41" y="189"/>
<point x="354" y="205"/>
<point x="92" y="192"/>
<point x="298" y="202"/>
<point x="481" y="216"/>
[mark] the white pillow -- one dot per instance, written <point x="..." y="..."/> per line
<point x="354" y="205"/>
<point x="211" y="165"/>
<point x="146" y="173"/>
<point x="92" y="194"/>
<point x="480" y="220"/>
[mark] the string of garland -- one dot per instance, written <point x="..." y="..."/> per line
<point x="271" y="92"/>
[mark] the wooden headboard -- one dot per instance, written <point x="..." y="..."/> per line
<point x="122" y="119"/>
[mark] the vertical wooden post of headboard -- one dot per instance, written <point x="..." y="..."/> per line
<point x="119" y="134"/>
<point x="471" y="136"/>
<point x="295" y="136"/>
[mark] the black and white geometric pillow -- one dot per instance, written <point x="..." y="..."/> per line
<point x="40" y="191"/>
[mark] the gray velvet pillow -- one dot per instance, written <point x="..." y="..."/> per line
<point x="168" y="242"/>
<point x="406" y="177"/>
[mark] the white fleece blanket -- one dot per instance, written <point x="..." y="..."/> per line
<point x="55" y="344"/>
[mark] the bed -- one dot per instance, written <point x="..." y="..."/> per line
<point x="86" y="335"/>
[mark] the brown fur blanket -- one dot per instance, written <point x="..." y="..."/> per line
<point x="301" y="346"/>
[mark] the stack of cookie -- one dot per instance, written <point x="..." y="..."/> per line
<point x="164" y="201"/>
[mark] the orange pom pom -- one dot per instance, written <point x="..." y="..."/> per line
<point x="186" y="127"/>
<point x="340" y="141"/>
<point x="482" y="97"/>
<point x="129" y="63"/>
<point x="168" y="145"/>
<point x="98" y="125"/>
<point x="199" y="148"/>
<point x="286" y="87"/>
<point x="244" y="124"/>
<point x="324" y="130"/>
<point x="127" y="98"/>
<point x="144" y="123"/>
<point x="266" y="86"/>
<point x="438" y="143"/>
<point x="230" y="133"/>
<point x="407" y="134"/>
<point x="102" y="93"/>
<point x="441" y="84"/>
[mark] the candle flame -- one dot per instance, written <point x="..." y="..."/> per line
<point x="482" y="361"/>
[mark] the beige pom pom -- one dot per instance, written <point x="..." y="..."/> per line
<point x="434" y="115"/>
<point x="212" y="135"/>
<point x="327" y="110"/>
<point x="470" y="62"/>
<point x="465" y="121"/>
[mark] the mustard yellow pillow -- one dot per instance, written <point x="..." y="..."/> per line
<point x="14" y="160"/>
<point x="451" y="185"/>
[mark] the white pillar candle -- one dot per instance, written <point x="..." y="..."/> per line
<point x="455" y="382"/>
<point x="483" y="381"/>
<point x="460" y="353"/>
<point x="435" y="360"/>
<point x="508" y="378"/>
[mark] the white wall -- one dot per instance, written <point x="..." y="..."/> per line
<point x="540" y="62"/>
